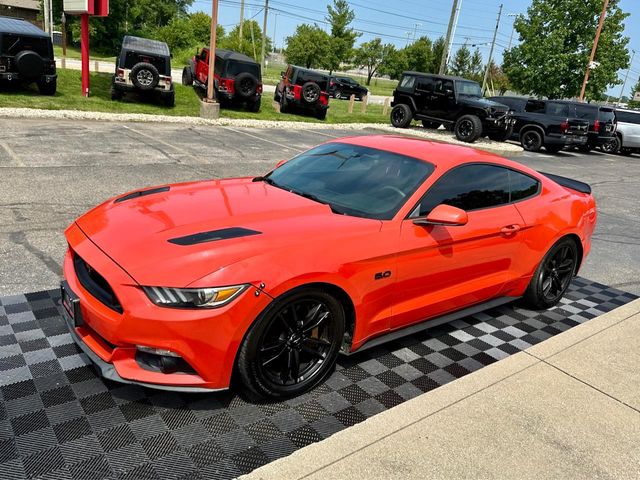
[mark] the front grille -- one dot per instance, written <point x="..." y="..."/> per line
<point x="95" y="284"/>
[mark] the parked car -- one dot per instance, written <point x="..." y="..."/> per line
<point x="602" y="123"/>
<point x="627" y="138"/>
<point x="344" y="87"/>
<point x="238" y="78"/>
<point x="26" y="55"/>
<point x="303" y="89"/>
<point x="279" y="273"/>
<point x="453" y="101"/>
<point x="545" y="123"/>
<point x="143" y="66"/>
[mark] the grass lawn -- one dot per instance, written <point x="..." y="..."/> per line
<point x="74" y="52"/>
<point x="68" y="97"/>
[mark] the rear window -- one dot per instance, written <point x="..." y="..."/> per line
<point x="305" y="76"/>
<point x="628" y="117"/>
<point x="132" y="58"/>
<point x="236" y="68"/>
<point x="586" y="112"/>
<point x="557" y="109"/>
<point x="12" y="44"/>
<point x="606" y="115"/>
<point x="407" y="81"/>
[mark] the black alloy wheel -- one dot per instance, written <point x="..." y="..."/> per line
<point x="401" y="116"/>
<point x="310" y="92"/>
<point x="553" y="276"/>
<point x="612" y="146"/>
<point x="468" y="128"/>
<point x="531" y="141"/>
<point x="293" y="346"/>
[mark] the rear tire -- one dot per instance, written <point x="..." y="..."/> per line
<point x="275" y="359"/>
<point x="254" y="106"/>
<point x="531" y="140"/>
<point x="401" y="116"/>
<point x="321" y="114"/>
<point x="612" y="147"/>
<point x="284" y="105"/>
<point x="585" y="148"/>
<point x="169" y="99"/>
<point x="187" y="77"/>
<point x="468" y="128"/>
<point x="553" y="276"/>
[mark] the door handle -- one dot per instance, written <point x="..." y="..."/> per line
<point x="510" y="229"/>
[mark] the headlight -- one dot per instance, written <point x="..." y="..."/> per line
<point x="193" y="297"/>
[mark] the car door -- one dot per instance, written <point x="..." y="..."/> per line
<point x="442" y="100"/>
<point x="446" y="268"/>
<point x="202" y="66"/>
<point x="423" y="93"/>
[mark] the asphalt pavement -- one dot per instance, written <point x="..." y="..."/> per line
<point x="53" y="171"/>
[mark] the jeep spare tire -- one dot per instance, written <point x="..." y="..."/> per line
<point x="310" y="92"/>
<point x="29" y="64"/>
<point x="145" y="76"/>
<point x="246" y="85"/>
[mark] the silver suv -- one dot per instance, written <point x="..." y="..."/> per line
<point x="627" y="140"/>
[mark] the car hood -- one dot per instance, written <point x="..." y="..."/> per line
<point x="175" y="236"/>
<point x="482" y="103"/>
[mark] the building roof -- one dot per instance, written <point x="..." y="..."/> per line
<point x="25" y="4"/>
<point x="22" y="27"/>
<point x="146" y="45"/>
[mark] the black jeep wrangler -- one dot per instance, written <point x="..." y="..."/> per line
<point x="143" y="66"/>
<point x="26" y="55"/>
<point x="237" y="77"/>
<point x="453" y="101"/>
<point x="303" y="89"/>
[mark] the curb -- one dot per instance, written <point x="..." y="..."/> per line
<point x="438" y="136"/>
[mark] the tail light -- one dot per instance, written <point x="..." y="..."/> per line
<point x="324" y="99"/>
<point x="596" y="126"/>
<point x="564" y="126"/>
<point x="259" y="88"/>
<point x="167" y="81"/>
<point x="121" y="72"/>
<point x="226" y="85"/>
<point x="297" y="92"/>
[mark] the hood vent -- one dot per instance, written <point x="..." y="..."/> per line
<point x="214" y="235"/>
<point x="141" y="193"/>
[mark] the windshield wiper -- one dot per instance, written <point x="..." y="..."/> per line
<point x="311" y="196"/>
<point x="267" y="180"/>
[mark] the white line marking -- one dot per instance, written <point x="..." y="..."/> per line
<point x="177" y="149"/>
<point x="264" y="139"/>
<point x="17" y="162"/>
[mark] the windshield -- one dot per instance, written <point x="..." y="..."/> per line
<point x="353" y="180"/>
<point x="470" y="89"/>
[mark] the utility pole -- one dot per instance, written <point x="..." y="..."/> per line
<point x="513" y="27"/>
<point x="626" y="77"/>
<point x="447" y="41"/>
<point x="275" y="26"/>
<point x="415" y="28"/>
<point x="241" y="24"/>
<point x="493" y="44"/>
<point x="264" y="35"/>
<point x="593" y="50"/>
<point x="45" y="14"/>
<point x="212" y="53"/>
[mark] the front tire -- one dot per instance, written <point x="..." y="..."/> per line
<point x="612" y="147"/>
<point x="401" y="116"/>
<point x="468" y="128"/>
<point x="553" y="276"/>
<point x="292" y="346"/>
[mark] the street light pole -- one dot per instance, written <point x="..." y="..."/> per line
<point x="593" y="50"/>
<point x="626" y="77"/>
<point x="493" y="44"/>
<point x="212" y="53"/>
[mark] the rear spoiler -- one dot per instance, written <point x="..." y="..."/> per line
<point x="568" y="182"/>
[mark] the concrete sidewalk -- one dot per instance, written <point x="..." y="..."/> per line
<point x="566" y="408"/>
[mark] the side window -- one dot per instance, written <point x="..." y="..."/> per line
<point x="407" y="81"/>
<point x="425" y="84"/>
<point x="522" y="186"/>
<point x="469" y="187"/>
<point x="585" y="112"/>
<point x="218" y="66"/>
<point x="557" y="109"/>
<point x="534" y="106"/>
<point x="628" y="117"/>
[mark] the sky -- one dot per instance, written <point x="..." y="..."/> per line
<point x="398" y="21"/>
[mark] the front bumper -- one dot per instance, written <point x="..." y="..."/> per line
<point x="498" y="123"/>
<point x="207" y="340"/>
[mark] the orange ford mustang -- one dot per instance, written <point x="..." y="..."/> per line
<point x="347" y="245"/>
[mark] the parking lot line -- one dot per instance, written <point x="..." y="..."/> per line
<point x="15" y="159"/>
<point x="177" y="149"/>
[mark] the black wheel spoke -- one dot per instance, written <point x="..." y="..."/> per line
<point x="275" y="346"/>
<point x="314" y="353"/>
<point x="274" y="357"/>
<point x="317" y="342"/>
<point x="294" y="364"/>
<point x="546" y="286"/>
<point x="566" y="266"/>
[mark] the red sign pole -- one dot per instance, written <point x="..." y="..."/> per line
<point x="84" y="47"/>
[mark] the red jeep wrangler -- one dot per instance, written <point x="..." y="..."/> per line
<point x="238" y="79"/>
<point x="304" y="89"/>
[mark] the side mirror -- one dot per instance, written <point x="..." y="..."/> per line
<point x="280" y="163"/>
<point x="444" y="215"/>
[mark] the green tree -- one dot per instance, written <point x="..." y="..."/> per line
<point x="420" y="55"/>
<point x="308" y="46"/>
<point x="635" y="89"/>
<point x="394" y="63"/>
<point x="437" y="50"/>
<point x="461" y="63"/>
<point x="371" y="55"/>
<point x="476" y="67"/>
<point x="251" y="42"/>
<point x="342" y="37"/>
<point x="498" y="81"/>
<point x="556" y="40"/>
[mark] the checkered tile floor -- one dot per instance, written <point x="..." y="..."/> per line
<point x="58" y="420"/>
